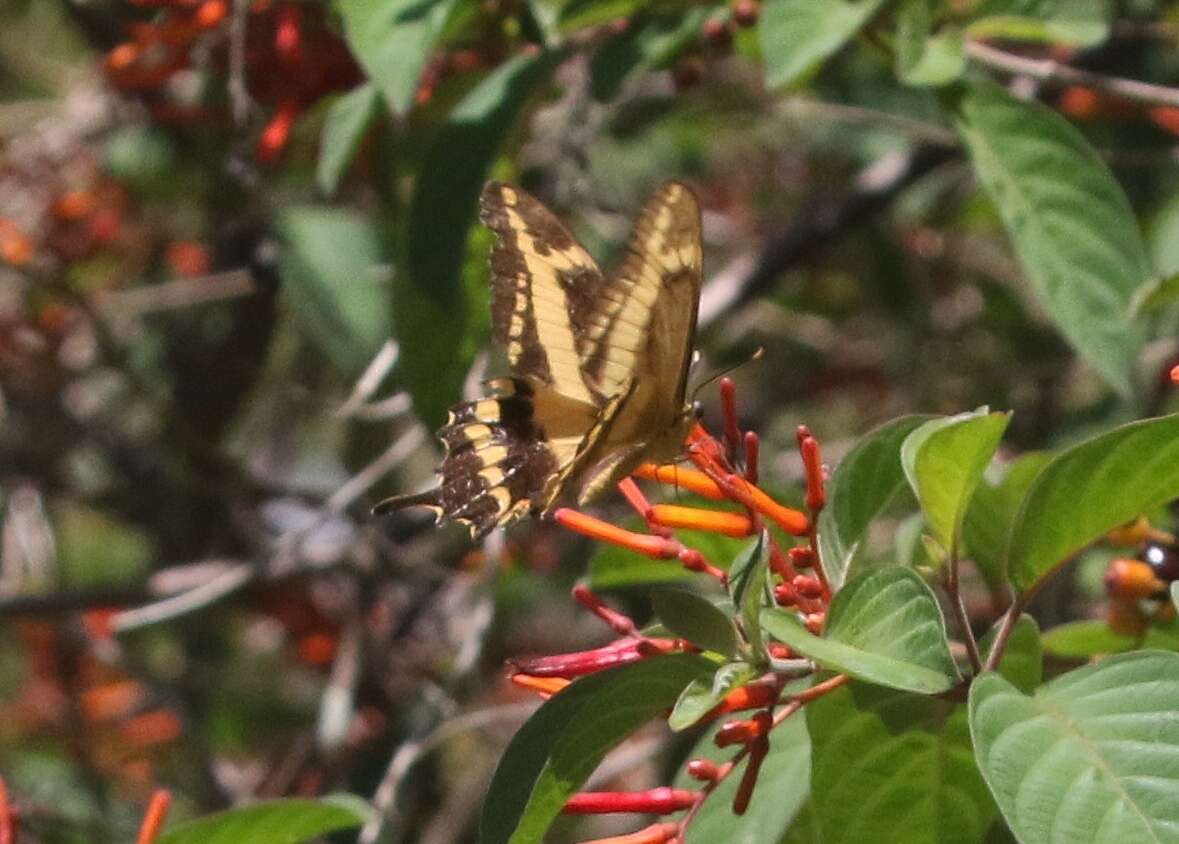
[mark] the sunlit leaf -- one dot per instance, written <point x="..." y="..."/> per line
<point x="1093" y="756"/>
<point x="944" y="460"/>
<point x="285" y="821"/>
<point x="1069" y="221"/>
<point x="863" y="483"/>
<point x="703" y="693"/>
<point x="884" y="627"/>
<point x="1155" y="295"/>
<point x="561" y="744"/>
<point x="1090" y="489"/>
<point x="392" y="40"/>
<point x="923" y="56"/>
<point x="889" y="760"/>
<point x="797" y="35"/>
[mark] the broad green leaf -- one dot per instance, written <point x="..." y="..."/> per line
<point x="647" y="43"/>
<point x="797" y="35"/>
<point x="1155" y="295"/>
<point x="283" y="821"/>
<point x="1070" y="223"/>
<point x="1079" y="23"/>
<point x="924" y="57"/>
<point x="1093" y="756"/>
<point x="1162" y="236"/>
<point x="944" y="460"/>
<point x="1092" y="637"/>
<point x="703" y="693"/>
<point x="992" y="511"/>
<point x="804" y="829"/>
<point x="560" y="745"/>
<point x="1022" y="662"/>
<point x="909" y="542"/>
<point x="1086" y="638"/>
<point x="1090" y="489"/>
<point x="333" y="276"/>
<point x="433" y="317"/>
<point x="692" y="617"/>
<point x="889" y="766"/>
<point x="392" y="39"/>
<point x="782" y="785"/>
<point x="884" y="627"/>
<point x="863" y="483"/>
<point x="347" y="122"/>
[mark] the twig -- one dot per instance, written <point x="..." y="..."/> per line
<point x="1053" y="72"/>
<point x="1000" y="645"/>
<point x="196" y="598"/>
<point x="239" y="96"/>
<point x="368" y="382"/>
<point x="173" y="295"/>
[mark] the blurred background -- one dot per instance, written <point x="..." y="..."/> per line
<point x="241" y="280"/>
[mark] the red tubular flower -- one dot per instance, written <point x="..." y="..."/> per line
<point x="694" y="518"/>
<point x="704" y="770"/>
<point x="616" y="621"/>
<point x="277" y="132"/>
<point x="791" y="521"/>
<point x="579" y="663"/>
<point x="153" y="819"/>
<point x="753" y="696"/>
<point x="728" y="395"/>
<point x="656" y="833"/>
<point x="757" y="753"/>
<point x="657" y="547"/>
<point x="807" y="586"/>
<point x="740" y="732"/>
<point x="752" y="452"/>
<point x="288" y="34"/>
<point x="802" y="557"/>
<point x="690" y="479"/>
<point x="1175" y="374"/>
<point x="693" y="560"/>
<point x="812" y="460"/>
<point x="653" y="801"/>
<point x="546" y="687"/>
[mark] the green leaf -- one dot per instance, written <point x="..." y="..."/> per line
<point x="1070" y="223"/>
<point x="1023" y="659"/>
<point x="1084" y="639"/>
<point x="1090" y="489"/>
<point x="747" y="583"/>
<point x="992" y="512"/>
<point x="884" y="627"/>
<point x="804" y="829"/>
<point x="284" y="821"/>
<point x="944" y="460"/>
<point x="692" y="617"/>
<point x="647" y="43"/>
<point x="577" y="14"/>
<point x="560" y="745"/>
<point x="1155" y="295"/>
<point x="703" y="693"/>
<point x="797" y="35"/>
<point x="392" y="40"/>
<point x="1093" y="756"/>
<point x="347" y="122"/>
<point x="923" y="57"/>
<point x="863" y="483"/>
<point x="433" y="317"/>
<point x="332" y="275"/>
<point x="887" y="766"/>
<point x="1078" y="23"/>
<point x="782" y="785"/>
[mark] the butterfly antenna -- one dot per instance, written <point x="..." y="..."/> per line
<point x="757" y="355"/>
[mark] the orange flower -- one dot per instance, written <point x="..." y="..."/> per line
<point x="658" y="547"/>
<point x="690" y="479"/>
<point x="694" y="518"/>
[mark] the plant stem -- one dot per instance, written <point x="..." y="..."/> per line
<point x="959" y="610"/>
<point x="1013" y="613"/>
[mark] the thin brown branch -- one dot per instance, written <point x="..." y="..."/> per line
<point x="1056" y="73"/>
<point x="1008" y="624"/>
<point x="959" y="610"/>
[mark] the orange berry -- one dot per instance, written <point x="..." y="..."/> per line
<point x="1080" y="102"/>
<point x="73" y="205"/>
<point x="187" y="258"/>
<point x="1130" y="534"/>
<point x="122" y="57"/>
<point x="317" y="648"/>
<point x="210" y="13"/>
<point x="1131" y="579"/>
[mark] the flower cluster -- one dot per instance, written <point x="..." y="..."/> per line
<point x="285" y="59"/>
<point x="1138" y="586"/>
<point x="725" y="469"/>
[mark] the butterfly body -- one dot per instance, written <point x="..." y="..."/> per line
<point x="599" y="365"/>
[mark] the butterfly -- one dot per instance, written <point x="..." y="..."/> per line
<point x="599" y="363"/>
